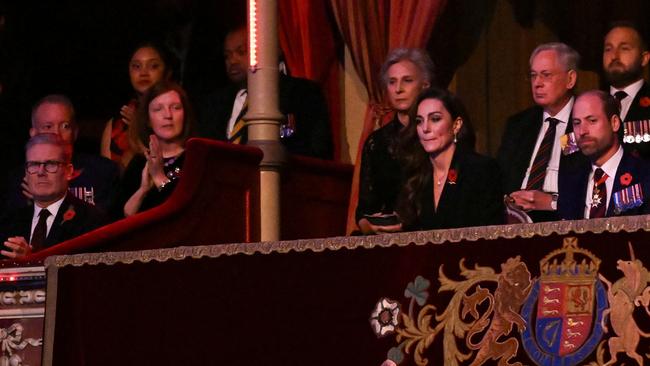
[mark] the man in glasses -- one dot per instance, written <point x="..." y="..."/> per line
<point x="95" y="178"/>
<point x="530" y="154"/>
<point x="56" y="215"/>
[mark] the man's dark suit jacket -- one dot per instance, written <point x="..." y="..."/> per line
<point x="638" y="112"/>
<point x="84" y="219"/>
<point x="573" y="186"/>
<point x="95" y="172"/>
<point x="517" y="145"/>
<point x="301" y="98"/>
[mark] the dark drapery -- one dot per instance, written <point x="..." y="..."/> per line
<point x="310" y="49"/>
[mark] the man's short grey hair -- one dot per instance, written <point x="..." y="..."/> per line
<point x="417" y="56"/>
<point x="567" y="56"/>
<point x="54" y="99"/>
<point x="51" y="139"/>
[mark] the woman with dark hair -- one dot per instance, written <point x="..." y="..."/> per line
<point x="404" y="74"/>
<point x="163" y="123"/>
<point x="149" y="63"/>
<point x="447" y="185"/>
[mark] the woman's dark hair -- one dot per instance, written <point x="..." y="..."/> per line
<point x="167" y="57"/>
<point x="415" y="161"/>
<point x="141" y="127"/>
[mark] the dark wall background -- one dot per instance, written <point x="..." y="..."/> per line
<point x="81" y="48"/>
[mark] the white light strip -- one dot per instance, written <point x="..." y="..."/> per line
<point x="252" y="34"/>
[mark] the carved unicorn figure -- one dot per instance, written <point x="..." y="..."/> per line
<point x="624" y="295"/>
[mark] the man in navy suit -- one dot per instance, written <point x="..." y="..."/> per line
<point x="613" y="182"/>
<point x="530" y="154"/>
<point x="625" y="55"/>
<point x="56" y="215"/>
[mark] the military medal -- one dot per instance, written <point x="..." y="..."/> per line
<point x="627" y="134"/>
<point x="628" y="198"/>
<point x="596" y="197"/>
<point x="636" y="131"/>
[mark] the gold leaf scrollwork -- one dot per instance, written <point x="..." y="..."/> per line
<point x="466" y="316"/>
<point x="421" y="334"/>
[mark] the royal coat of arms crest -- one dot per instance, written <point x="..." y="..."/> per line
<point x="562" y="306"/>
<point x="561" y="317"/>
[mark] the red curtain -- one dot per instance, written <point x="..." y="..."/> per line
<point x="309" y="46"/>
<point x="370" y="28"/>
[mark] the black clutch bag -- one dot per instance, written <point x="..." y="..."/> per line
<point x="383" y="220"/>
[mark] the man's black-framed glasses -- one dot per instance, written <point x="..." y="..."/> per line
<point x="51" y="166"/>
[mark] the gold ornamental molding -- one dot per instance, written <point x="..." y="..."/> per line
<point x="612" y="225"/>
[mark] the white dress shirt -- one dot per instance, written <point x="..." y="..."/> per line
<point x="550" y="180"/>
<point x="53" y="208"/>
<point x="609" y="168"/>
<point x="237" y="107"/>
<point x="632" y="90"/>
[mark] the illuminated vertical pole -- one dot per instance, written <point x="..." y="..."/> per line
<point x="263" y="116"/>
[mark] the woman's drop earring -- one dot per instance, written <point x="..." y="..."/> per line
<point x="455" y="137"/>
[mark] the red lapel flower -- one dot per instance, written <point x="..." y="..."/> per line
<point x="626" y="179"/>
<point x="68" y="214"/>
<point x="644" y="102"/>
<point x="452" y="175"/>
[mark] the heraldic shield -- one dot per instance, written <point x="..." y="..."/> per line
<point x="565" y="307"/>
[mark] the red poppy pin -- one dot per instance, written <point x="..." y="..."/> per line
<point x="452" y="175"/>
<point x="644" y="102"/>
<point x="626" y="179"/>
<point x="68" y="214"/>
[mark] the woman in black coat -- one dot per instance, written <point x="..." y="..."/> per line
<point x="446" y="184"/>
<point x="404" y="74"/>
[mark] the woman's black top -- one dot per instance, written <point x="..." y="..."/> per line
<point x="380" y="174"/>
<point x="132" y="178"/>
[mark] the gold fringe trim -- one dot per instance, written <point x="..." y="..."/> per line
<point x="612" y="225"/>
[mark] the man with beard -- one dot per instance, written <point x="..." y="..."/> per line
<point x="625" y="54"/>
<point x="306" y="130"/>
<point x="613" y="182"/>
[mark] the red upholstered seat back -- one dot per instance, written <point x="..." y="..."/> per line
<point x="216" y="201"/>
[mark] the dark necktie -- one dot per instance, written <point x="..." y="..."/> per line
<point x="620" y="95"/>
<point x="538" y="170"/>
<point x="40" y="231"/>
<point x="599" y="195"/>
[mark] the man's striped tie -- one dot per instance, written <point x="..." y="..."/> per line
<point x="237" y="135"/>
<point x="538" y="170"/>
